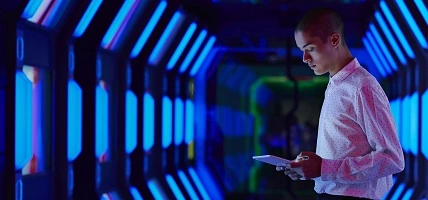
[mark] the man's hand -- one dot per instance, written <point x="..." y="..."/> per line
<point x="294" y="174"/>
<point x="309" y="163"/>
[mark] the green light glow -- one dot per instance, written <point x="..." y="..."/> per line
<point x="284" y="85"/>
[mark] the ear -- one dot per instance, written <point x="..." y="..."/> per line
<point x="335" y="40"/>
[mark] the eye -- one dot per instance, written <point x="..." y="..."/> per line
<point x="311" y="49"/>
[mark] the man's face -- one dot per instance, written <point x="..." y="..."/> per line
<point x="317" y="54"/>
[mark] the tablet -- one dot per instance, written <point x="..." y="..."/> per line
<point x="273" y="160"/>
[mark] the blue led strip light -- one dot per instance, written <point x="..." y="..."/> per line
<point x="391" y="39"/>
<point x="74" y="135"/>
<point x="398" y="192"/>
<point x="396" y="112"/>
<point x="406" y="123"/>
<point x="187" y="185"/>
<point x="40" y="12"/>
<point x="424" y="141"/>
<point x="131" y="121"/>
<point x="181" y="46"/>
<point x="178" y="121"/>
<point x="119" y="23"/>
<point x="189" y="134"/>
<point x="383" y="47"/>
<point x="31" y="8"/>
<point x="378" y="52"/>
<point x="87" y="18"/>
<point x="174" y="187"/>
<point x="148" y="30"/>
<point x="414" y="122"/>
<point x="156" y="189"/>
<point x="135" y="194"/>
<point x="198" y="183"/>
<point x="166" y="38"/>
<point x="166" y="122"/>
<point x="203" y="55"/>
<point x="148" y="122"/>
<point x="408" y="194"/>
<point x="102" y="122"/>
<point x="55" y="13"/>
<point x="374" y="58"/>
<point x="412" y="23"/>
<point x="397" y="29"/>
<point x="193" y="51"/>
<point x="23" y="120"/>
<point x="423" y="9"/>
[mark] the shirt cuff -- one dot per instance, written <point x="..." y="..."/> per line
<point x="328" y="169"/>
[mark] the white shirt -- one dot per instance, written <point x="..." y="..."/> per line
<point x="357" y="137"/>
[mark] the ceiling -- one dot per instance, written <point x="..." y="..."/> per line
<point x="270" y="23"/>
<point x="260" y="32"/>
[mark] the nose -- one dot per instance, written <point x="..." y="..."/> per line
<point x="306" y="57"/>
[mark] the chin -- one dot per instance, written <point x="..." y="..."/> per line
<point x="319" y="73"/>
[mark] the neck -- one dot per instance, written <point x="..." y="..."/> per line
<point x="344" y="57"/>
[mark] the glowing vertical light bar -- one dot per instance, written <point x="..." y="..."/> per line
<point x="135" y="194"/>
<point x="424" y="142"/>
<point x="423" y="9"/>
<point x="74" y="136"/>
<point x="406" y="123"/>
<point x="397" y="29"/>
<point x="181" y="46"/>
<point x="87" y="18"/>
<point x="187" y="185"/>
<point x="40" y="11"/>
<point x="378" y="52"/>
<point x="189" y="121"/>
<point x="31" y="8"/>
<point x="178" y="119"/>
<point x="156" y="190"/>
<point x="131" y="121"/>
<point x="174" y="187"/>
<point x="374" y="58"/>
<point x="148" y="122"/>
<point x="391" y="39"/>
<point x="412" y="23"/>
<point x="149" y="29"/>
<point x="203" y="55"/>
<point x="166" y="38"/>
<point x="414" y="109"/>
<point x="23" y="120"/>
<point x="198" y="183"/>
<point x="193" y="51"/>
<point x="166" y="122"/>
<point x="383" y="47"/>
<point x="396" y="112"/>
<point x="101" y="122"/>
<point x="119" y="22"/>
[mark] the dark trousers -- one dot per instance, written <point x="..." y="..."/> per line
<point x="325" y="196"/>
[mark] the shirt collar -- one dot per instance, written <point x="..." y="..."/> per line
<point x="345" y="72"/>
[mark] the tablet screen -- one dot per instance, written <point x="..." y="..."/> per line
<point x="273" y="160"/>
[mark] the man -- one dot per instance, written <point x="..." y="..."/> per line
<point x="357" y="147"/>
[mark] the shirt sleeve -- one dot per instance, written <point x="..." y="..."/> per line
<point x="386" y="158"/>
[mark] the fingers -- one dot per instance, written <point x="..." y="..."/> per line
<point x="280" y="167"/>
<point x="305" y="153"/>
<point x="293" y="175"/>
<point x="300" y="158"/>
<point x="295" y="164"/>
